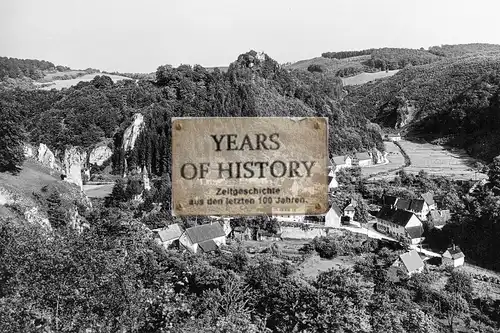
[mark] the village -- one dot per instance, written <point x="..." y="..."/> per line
<point x="396" y="220"/>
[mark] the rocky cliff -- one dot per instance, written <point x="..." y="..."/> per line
<point x="45" y="156"/>
<point x="73" y="162"/>
<point x="100" y="154"/>
<point x="379" y="157"/>
<point x="132" y="132"/>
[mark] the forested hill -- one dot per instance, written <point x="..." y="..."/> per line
<point x="454" y="100"/>
<point x="254" y="85"/>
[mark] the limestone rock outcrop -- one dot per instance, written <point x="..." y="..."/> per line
<point x="46" y="157"/>
<point x="72" y="163"/>
<point x="132" y="132"/>
<point x="100" y="154"/>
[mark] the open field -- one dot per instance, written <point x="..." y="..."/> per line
<point x="434" y="159"/>
<point x="98" y="191"/>
<point x="396" y="160"/>
<point x="437" y="160"/>
<point x="59" y="84"/>
<point x="367" y="77"/>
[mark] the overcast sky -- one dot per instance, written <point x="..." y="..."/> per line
<point x="140" y="35"/>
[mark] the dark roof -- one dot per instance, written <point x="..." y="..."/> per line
<point x="399" y="217"/>
<point x="416" y="205"/>
<point x="429" y="198"/>
<point x="170" y="232"/>
<point x="415" y="232"/>
<point x="390" y="200"/>
<point x="455" y="253"/>
<point x="363" y="156"/>
<point x="385" y="213"/>
<point x="411" y="260"/>
<point x="208" y="246"/>
<point x="336" y="209"/>
<point x="403" y="204"/>
<point x="205" y="232"/>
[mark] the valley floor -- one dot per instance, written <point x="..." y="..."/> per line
<point x="434" y="159"/>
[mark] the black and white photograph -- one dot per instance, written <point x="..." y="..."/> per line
<point x="217" y="166"/>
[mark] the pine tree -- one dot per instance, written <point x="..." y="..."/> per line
<point x="117" y="195"/>
<point x="11" y="140"/>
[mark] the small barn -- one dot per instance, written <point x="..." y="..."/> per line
<point x="204" y="238"/>
<point x="363" y="159"/>
<point x="168" y="235"/>
<point x="453" y="257"/>
<point x="410" y="262"/>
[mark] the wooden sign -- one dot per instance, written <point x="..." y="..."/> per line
<point x="249" y="166"/>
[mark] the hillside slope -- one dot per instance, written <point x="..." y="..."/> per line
<point x="454" y="100"/>
<point x="25" y="197"/>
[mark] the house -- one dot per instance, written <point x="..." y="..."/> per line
<point x="330" y="219"/>
<point x="350" y="210"/>
<point x="168" y="235"/>
<point x="332" y="216"/>
<point x="417" y="206"/>
<point x="420" y="208"/>
<point x="410" y="262"/>
<point x="205" y="237"/>
<point x="393" y="137"/>
<point x="453" y="257"/>
<point x="241" y="233"/>
<point x="363" y="159"/>
<point x="341" y="162"/>
<point x="438" y="218"/>
<point x="402" y="204"/>
<point x="287" y="215"/>
<point x="400" y="223"/>
<point x="429" y="200"/>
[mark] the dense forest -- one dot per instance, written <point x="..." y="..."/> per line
<point x="89" y="112"/>
<point x="17" y="68"/>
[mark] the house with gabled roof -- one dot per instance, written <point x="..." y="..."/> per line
<point x="204" y="238"/>
<point x="341" y="162"/>
<point x="453" y="257"/>
<point x="410" y="262"/>
<point x="350" y="209"/>
<point x="429" y="200"/>
<point x="438" y="218"/>
<point x="420" y="208"/>
<point x="362" y="159"/>
<point x="168" y="235"/>
<point x="403" y="204"/>
<point x="400" y="223"/>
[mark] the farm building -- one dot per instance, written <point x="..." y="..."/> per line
<point x="417" y="206"/>
<point x="241" y="233"/>
<point x="330" y="219"/>
<point x="400" y="223"/>
<point x="206" y="237"/>
<point x="168" y="235"/>
<point x="341" y="162"/>
<point x="453" y="257"/>
<point x="392" y="137"/>
<point x="350" y="210"/>
<point x="410" y="262"/>
<point x="362" y="159"/>
<point x="438" y="218"/>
